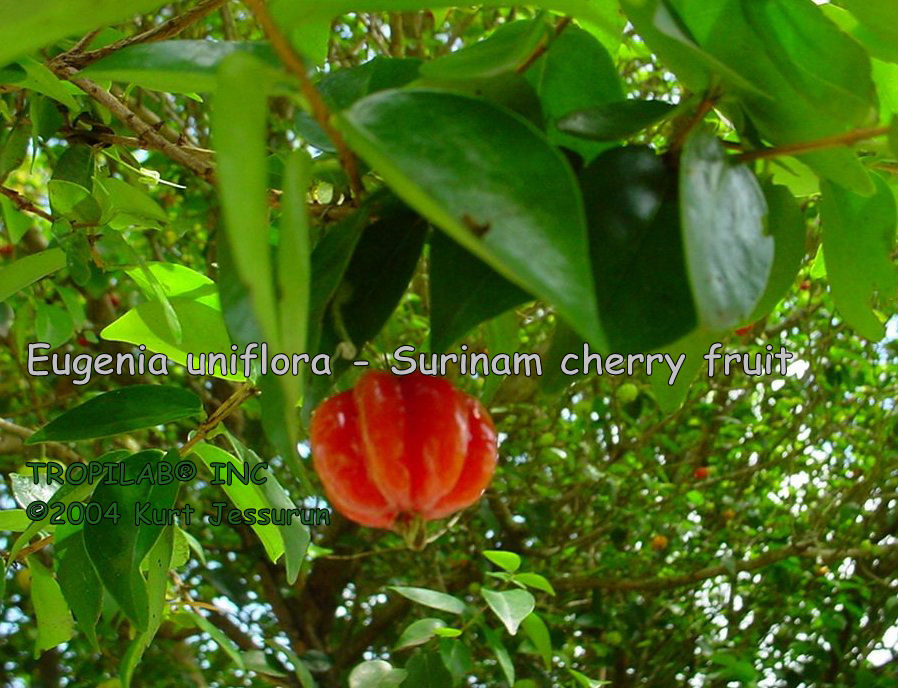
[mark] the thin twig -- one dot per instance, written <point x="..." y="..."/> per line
<point x="835" y="141"/>
<point x="79" y="60"/>
<point x="294" y="63"/>
<point x="243" y="392"/>
<point x="543" y="46"/>
<point x="24" y="204"/>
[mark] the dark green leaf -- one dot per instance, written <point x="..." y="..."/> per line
<point x="458" y="283"/>
<point x="619" y="119"/>
<point x="117" y="550"/>
<point x="121" y="410"/>
<point x="728" y="253"/>
<point x="14" y="148"/>
<point x="637" y="250"/>
<point x="81" y="586"/>
<point x="429" y="144"/>
<point x="426" y="670"/>
<point x="52" y="325"/>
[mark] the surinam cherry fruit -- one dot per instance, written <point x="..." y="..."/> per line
<point x="395" y="452"/>
<point x="701" y="473"/>
<point x="659" y="543"/>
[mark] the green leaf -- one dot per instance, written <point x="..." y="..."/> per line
<point x="728" y="253"/>
<point x="119" y="411"/>
<point x="54" y="620"/>
<point x="128" y="206"/>
<point x="14" y="148"/>
<point x="39" y="78"/>
<point x="585" y="681"/>
<point x="157" y="582"/>
<point x="81" y="586"/>
<point x="431" y="598"/>
<point x="24" y="271"/>
<point x="616" y="120"/>
<point x="692" y="347"/>
<point x="147" y="324"/>
<point x="458" y="281"/>
<point x="877" y="20"/>
<point x="534" y="580"/>
<point x="17" y="223"/>
<point x="244" y="497"/>
<point x="495" y="644"/>
<point x="52" y="325"/>
<point x="456" y="656"/>
<point x="536" y="631"/>
<point x="296" y="535"/>
<point x="418" y="633"/>
<point x="118" y="549"/>
<point x="177" y="66"/>
<point x="503" y="51"/>
<point x="637" y="250"/>
<point x="511" y="606"/>
<point x="73" y="202"/>
<point x="429" y="144"/>
<point x="858" y="239"/>
<point x="509" y="561"/>
<point x="177" y="281"/>
<point x="26" y="28"/>
<point x="376" y="674"/>
<point x="224" y="642"/>
<point x="426" y="670"/>
<point x="785" y="223"/>
<point x="576" y="73"/>
<point x="14" y="520"/>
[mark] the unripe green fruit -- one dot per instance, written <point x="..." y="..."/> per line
<point x="627" y="393"/>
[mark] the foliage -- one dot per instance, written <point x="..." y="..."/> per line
<point x="343" y="178"/>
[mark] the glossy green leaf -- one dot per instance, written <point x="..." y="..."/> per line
<point x="80" y="584"/>
<point x="613" y="121"/>
<point x="428" y="144"/>
<point x="244" y="497"/>
<point x="25" y="271"/>
<point x="146" y="324"/>
<point x="178" y="281"/>
<point x="858" y="240"/>
<point x="73" y="202"/>
<point x="54" y="620"/>
<point x="495" y="644"/>
<point x="576" y="73"/>
<point x="456" y="656"/>
<point x="509" y="561"/>
<point x="176" y="66"/>
<point x="117" y="550"/>
<point x="637" y="249"/>
<point x="431" y="598"/>
<point x="504" y="50"/>
<point x="376" y="673"/>
<point x="121" y="410"/>
<point x="786" y="224"/>
<point x="418" y="633"/>
<point x="26" y="28"/>
<point x="15" y="221"/>
<point x="535" y="581"/>
<point x="511" y="606"/>
<point x="458" y="282"/>
<point x="728" y="252"/>
<point x="878" y="28"/>
<point x="536" y="631"/>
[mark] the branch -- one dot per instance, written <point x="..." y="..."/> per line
<point x="543" y="46"/>
<point x="689" y="579"/>
<point x="231" y="404"/>
<point x="79" y="60"/>
<point x="320" y="112"/>
<point x="835" y="141"/>
<point x="24" y="204"/>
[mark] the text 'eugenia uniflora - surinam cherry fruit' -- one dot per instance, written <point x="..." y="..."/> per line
<point x="394" y="451"/>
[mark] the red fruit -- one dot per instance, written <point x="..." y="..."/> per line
<point x="82" y="341"/>
<point x="742" y="331"/>
<point x="6" y="250"/>
<point x="394" y="452"/>
<point x="114" y="301"/>
<point x="701" y="473"/>
<point x="659" y="543"/>
<point x="805" y="285"/>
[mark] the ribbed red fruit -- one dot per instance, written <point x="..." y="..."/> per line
<point x="399" y="450"/>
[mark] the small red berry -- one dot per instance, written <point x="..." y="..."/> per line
<point x="742" y="331"/>
<point x="805" y="285"/>
<point x="6" y="250"/>
<point x="114" y="301"/>
<point x="82" y="341"/>
<point x="701" y="473"/>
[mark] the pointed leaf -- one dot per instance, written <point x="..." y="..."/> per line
<point x="511" y="606"/>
